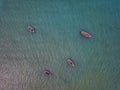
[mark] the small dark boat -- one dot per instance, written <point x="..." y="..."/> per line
<point x="85" y="34"/>
<point x="70" y="62"/>
<point x="31" y="28"/>
<point x="47" y="72"/>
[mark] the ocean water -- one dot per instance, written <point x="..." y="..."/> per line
<point x="24" y="55"/>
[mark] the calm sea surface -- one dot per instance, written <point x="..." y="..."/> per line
<point x="24" y="55"/>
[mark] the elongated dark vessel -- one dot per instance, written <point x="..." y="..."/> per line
<point x="85" y="34"/>
<point x="30" y="28"/>
<point x="47" y="72"/>
<point x="70" y="62"/>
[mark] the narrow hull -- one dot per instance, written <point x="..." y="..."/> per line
<point x="31" y="29"/>
<point x="85" y="34"/>
<point x="70" y="62"/>
<point x="47" y="72"/>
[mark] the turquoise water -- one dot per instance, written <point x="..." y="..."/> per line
<point x="24" y="55"/>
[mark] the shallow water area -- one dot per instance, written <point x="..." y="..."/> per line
<point x="24" y="55"/>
